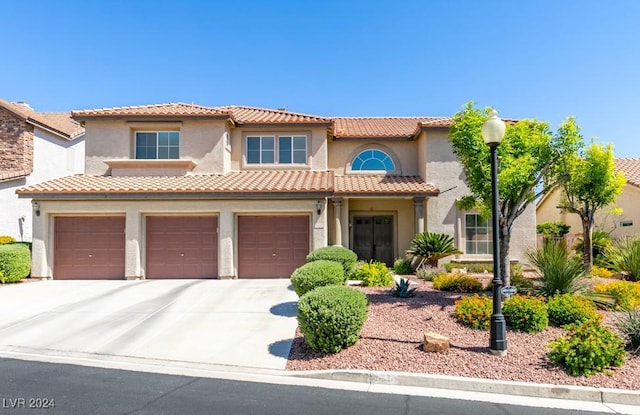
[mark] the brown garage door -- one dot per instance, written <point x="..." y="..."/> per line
<point x="271" y="246"/>
<point x="89" y="247"/>
<point x="182" y="247"/>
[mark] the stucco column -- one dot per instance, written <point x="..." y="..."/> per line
<point x="39" y="260"/>
<point x="133" y="236"/>
<point x="418" y="205"/>
<point x="226" y="262"/>
<point x="337" y="220"/>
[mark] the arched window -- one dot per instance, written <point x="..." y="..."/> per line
<point x="373" y="160"/>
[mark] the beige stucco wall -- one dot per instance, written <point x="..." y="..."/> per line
<point x="316" y="147"/>
<point x="403" y="152"/>
<point x="547" y="211"/>
<point x="135" y="211"/>
<point x="445" y="171"/>
<point x="200" y="140"/>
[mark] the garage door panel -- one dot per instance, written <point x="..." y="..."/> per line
<point x="89" y="247"/>
<point x="271" y="246"/>
<point x="182" y="247"/>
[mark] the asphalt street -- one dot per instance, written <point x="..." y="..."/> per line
<point x="47" y="388"/>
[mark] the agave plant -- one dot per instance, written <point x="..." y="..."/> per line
<point x="428" y="248"/>
<point x="402" y="289"/>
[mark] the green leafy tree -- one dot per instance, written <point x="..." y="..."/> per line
<point x="528" y="156"/>
<point x="592" y="184"/>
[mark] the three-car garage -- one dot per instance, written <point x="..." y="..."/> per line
<point x="179" y="246"/>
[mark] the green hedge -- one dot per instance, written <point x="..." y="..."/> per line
<point x="570" y="308"/>
<point x="317" y="274"/>
<point x="15" y="262"/>
<point x="330" y="318"/>
<point x="346" y="257"/>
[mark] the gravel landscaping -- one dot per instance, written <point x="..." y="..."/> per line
<point x="391" y="340"/>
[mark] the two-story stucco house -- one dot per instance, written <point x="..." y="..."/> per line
<point x="187" y="191"/>
<point x="34" y="147"/>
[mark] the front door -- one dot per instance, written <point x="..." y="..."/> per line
<point x="373" y="238"/>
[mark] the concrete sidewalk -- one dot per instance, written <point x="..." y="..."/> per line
<point x="247" y="323"/>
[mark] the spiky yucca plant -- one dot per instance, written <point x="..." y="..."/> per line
<point x="428" y="248"/>
<point x="624" y="256"/>
<point x="560" y="272"/>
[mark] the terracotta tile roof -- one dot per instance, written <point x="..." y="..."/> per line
<point x="384" y="185"/>
<point x="392" y="127"/>
<point x="59" y="122"/>
<point x="246" y="182"/>
<point x="156" y="110"/>
<point x="14" y="174"/>
<point x="631" y="169"/>
<point x="254" y="115"/>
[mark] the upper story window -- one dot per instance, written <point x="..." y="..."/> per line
<point x="270" y="149"/>
<point x="373" y="160"/>
<point x="478" y="234"/>
<point x="157" y="144"/>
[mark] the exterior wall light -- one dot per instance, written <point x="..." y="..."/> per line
<point x="319" y="205"/>
<point x="36" y="208"/>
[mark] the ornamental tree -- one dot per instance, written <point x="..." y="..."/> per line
<point x="529" y="155"/>
<point x="592" y="184"/>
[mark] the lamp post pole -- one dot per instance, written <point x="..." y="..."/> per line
<point x="492" y="132"/>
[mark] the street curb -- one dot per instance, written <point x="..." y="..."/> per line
<point x="533" y="390"/>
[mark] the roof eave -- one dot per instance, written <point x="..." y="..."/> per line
<point x="174" y="195"/>
<point x="82" y="118"/>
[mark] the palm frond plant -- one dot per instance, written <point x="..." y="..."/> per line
<point x="427" y="248"/>
<point x="600" y="242"/>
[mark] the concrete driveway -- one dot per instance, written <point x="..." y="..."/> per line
<point x="249" y="323"/>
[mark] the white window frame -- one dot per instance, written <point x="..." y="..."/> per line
<point x="488" y="241"/>
<point x="276" y="149"/>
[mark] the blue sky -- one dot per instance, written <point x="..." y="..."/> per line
<point x="544" y="59"/>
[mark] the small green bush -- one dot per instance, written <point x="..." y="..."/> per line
<point x="523" y="284"/>
<point x="5" y="239"/>
<point x="587" y="349"/>
<point x="625" y="293"/>
<point x="569" y="308"/>
<point x="474" y="311"/>
<point x="526" y="313"/>
<point x="479" y="267"/>
<point x="402" y="266"/>
<point x="629" y="325"/>
<point x="317" y="274"/>
<point x="15" y="262"/>
<point x="346" y="257"/>
<point x="374" y="274"/>
<point x="330" y="318"/>
<point x="428" y="273"/>
<point x="457" y="282"/>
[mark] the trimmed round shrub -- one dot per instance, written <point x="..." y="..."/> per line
<point x="457" y="282"/>
<point x="587" y="348"/>
<point x="346" y="257"/>
<point x="474" y="311"/>
<point x="15" y="262"/>
<point x="527" y="314"/>
<point x="316" y="274"/>
<point x="374" y="274"/>
<point x="569" y="308"/>
<point x="402" y="266"/>
<point x="331" y="318"/>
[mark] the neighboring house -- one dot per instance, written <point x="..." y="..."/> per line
<point x="617" y="225"/>
<point x="187" y="191"/>
<point x="34" y="147"/>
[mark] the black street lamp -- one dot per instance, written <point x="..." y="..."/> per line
<point x="492" y="133"/>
